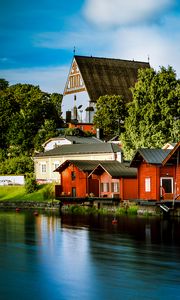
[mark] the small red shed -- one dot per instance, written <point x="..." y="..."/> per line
<point x="116" y="180"/>
<point x="156" y="176"/>
<point x="74" y="178"/>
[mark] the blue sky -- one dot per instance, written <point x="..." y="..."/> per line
<point x="38" y="37"/>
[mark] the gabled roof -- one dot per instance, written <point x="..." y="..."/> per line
<point x="174" y="156"/>
<point x="108" y="76"/>
<point x="115" y="169"/>
<point x="151" y="156"/>
<point x="81" y="149"/>
<point x="83" y="165"/>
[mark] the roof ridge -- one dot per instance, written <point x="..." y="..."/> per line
<point x="109" y="58"/>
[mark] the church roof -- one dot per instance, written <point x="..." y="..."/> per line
<point x="108" y="76"/>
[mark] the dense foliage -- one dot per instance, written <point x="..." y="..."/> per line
<point x="110" y="114"/>
<point x="17" y="165"/>
<point x="28" y="117"/>
<point x="30" y="184"/>
<point x="154" y="114"/>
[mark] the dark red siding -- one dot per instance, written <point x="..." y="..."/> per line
<point x="79" y="182"/>
<point x="154" y="173"/>
<point x="130" y="188"/>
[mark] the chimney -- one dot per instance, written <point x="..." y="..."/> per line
<point x="68" y="116"/>
<point x="99" y="133"/>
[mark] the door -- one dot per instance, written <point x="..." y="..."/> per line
<point x="166" y="184"/>
<point x="93" y="187"/>
<point x="73" y="192"/>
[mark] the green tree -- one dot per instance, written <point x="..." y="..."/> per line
<point x="46" y="131"/>
<point x="17" y="165"/>
<point x="24" y="110"/>
<point x="30" y="184"/>
<point x="153" y="114"/>
<point x="3" y="84"/>
<point x="110" y="114"/>
<point x="56" y="99"/>
<point x="8" y="108"/>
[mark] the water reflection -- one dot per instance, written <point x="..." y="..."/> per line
<point x="87" y="257"/>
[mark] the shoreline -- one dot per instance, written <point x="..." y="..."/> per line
<point x="132" y="210"/>
<point x="79" y="209"/>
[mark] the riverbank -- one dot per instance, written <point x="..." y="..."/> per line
<point x="19" y="194"/>
<point x="12" y="197"/>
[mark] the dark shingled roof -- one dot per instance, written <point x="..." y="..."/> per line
<point x="81" y="149"/>
<point x="113" y="167"/>
<point x="84" y="165"/>
<point x="151" y="156"/>
<point x="108" y="76"/>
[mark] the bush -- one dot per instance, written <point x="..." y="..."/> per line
<point x="30" y="184"/>
<point x="132" y="210"/>
<point x="49" y="192"/>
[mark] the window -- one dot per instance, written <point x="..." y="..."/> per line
<point x="105" y="187"/>
<point x="147" y="184"/>
<point x="115" y="187"/>
<point x="43" y="168"/>
<point x="56" y="165"/>
<point x="73" y="175"/>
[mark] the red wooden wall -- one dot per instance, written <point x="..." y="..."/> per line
<point x="154" y="172"/>
<point x="130" y="188"/>
<point x="147" y="171"/>
<point x="80" y="181"/>
<point x="178" y="180"/>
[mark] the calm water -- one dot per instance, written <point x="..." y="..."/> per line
<point x="69" y="257"/>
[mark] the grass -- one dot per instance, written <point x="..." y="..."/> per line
<point x="18" y="193"/>
<point x="77" y="209"/>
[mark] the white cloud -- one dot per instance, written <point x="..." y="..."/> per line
<point x="51" y="80"/>
<point x="139" y="42"/>
<point x="122" y="12"/>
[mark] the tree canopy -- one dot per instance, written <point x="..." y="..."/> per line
<point x="153" y="115"/>
<point x="27" y="117"/>
<point x="110" y="114"/>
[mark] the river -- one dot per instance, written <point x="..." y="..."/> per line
<point x="87" y="257"/>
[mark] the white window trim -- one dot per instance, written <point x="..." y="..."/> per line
<point x="172" y="185"/>
<point x="56" y="164"/>
<point x="42" y="168"/>
<point x="115" y="187"/>
<point x="147" y="184"/>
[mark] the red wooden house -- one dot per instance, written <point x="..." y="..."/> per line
<point x="80" y="178"/>
<point x="74" y="178"/>
<point x="158" y="173"/>
<point x="116" y="180"/>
